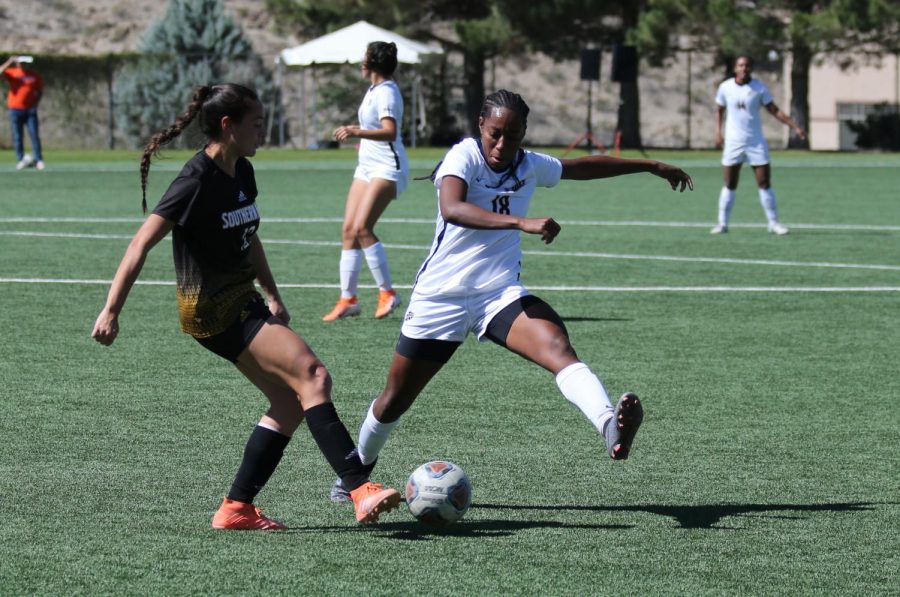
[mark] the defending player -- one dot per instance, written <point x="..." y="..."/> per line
<point x="741" y="97"/>
<point x="380" y="177"/>
<point x="469" y="283"/>
<point x="211" y="210"/>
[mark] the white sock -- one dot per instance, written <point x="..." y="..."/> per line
<point x="373" y="434"/>
<point x="767" y="199"/>
<point x="376" y="257"/>
<point x="726" y="202"/>
<point x="585" y="390"/>
<point x="351" y="263"/>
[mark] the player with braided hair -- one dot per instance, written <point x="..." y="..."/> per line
<point x="210" y="208"/>
<point x="379" y="178"/>
<point x="469" y="283"/>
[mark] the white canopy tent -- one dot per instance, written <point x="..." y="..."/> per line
<point x="348" y="45"/>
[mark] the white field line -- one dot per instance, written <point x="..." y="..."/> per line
<point x="431" y="222"/>
<point x="583" y="254"/>
<point x="721" y="289"/>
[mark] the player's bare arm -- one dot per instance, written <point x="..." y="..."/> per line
<point x="153" y="230"/>
<point x="719" y="119"/>
<point x="267" y="280"/>
<point x="599" y="166"/>
<point x="775" y="111"/>
<point x="456" y="210"/>
<point x="387" y="132"/>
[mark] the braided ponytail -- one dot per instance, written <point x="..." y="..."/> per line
<point x="208" y="106"/>
<point x="161" y="138"/>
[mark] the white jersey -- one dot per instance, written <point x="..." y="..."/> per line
<point x="382" y="101"/>
<point x="742" y="104"/>
<point x="466" y="261"/>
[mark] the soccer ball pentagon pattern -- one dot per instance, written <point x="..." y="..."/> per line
<point x="438" y="493"/>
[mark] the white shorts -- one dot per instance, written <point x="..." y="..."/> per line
<point x="453" y="317"/>
<point x="756" y="154"/>
<point x="367" y="173"/>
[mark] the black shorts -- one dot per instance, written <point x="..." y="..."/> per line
<point x="498" y="328"/>
<point x="436" y="351"/>
<point x="232" y="342"/>
<point x="440" y="351"/>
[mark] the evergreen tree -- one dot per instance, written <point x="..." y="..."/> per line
<point x="194" y="43"/>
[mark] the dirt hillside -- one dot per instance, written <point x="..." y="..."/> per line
<point x="91" y="27"/>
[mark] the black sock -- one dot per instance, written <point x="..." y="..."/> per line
<point x="261" y="455"/>
<point x="335" y="443"/>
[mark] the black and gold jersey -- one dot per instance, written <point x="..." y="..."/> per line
<point x="215" y="217"/>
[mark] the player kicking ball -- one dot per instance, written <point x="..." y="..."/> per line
<point x="469" y="283"/>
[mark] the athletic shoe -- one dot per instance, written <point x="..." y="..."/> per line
<point x="339" y="493"/>
<point x="345" y="307"/>
<point x="387" y="302"/>
<point x="621" y="429"/>
<point x="238" y="516"/>
<point x="778" y="229"/>
<point x="371" y="499"/>
<point x="39" y="164"/>
<point x="719" y="229"/>
<point x="26" y="162"/>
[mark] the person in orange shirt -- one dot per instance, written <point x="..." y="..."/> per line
<point x="25" y="89"/>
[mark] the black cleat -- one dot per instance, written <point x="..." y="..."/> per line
<point x="622" y="428"/>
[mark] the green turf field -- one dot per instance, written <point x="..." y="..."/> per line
<point x="768" y="463"/>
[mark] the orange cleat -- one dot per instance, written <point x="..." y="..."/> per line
<point x="238" y="516"/>
<point x="387" y="302"/>
<point x="371" y="499"/>
<point x="345" y="307"/>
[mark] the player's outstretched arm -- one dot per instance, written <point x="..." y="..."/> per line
<point x="601" y="166"/>
<point x="153" y="230"/>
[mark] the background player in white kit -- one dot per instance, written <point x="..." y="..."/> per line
<point x="380" y="176"/>
<point x="469" y="283"/>
<point x="742" y="97"/>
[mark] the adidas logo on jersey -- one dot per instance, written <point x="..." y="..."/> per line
<point x="241" y="196"/>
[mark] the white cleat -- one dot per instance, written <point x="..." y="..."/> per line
<point x="719" y="229"/>
<point x="778" y="229"/>
<point x="26" y="162"/>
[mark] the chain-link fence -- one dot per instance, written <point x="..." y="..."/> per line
<point x="119" y="101"/>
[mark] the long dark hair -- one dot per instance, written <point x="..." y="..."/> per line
<point x="210" y="103"/>
<point x="381" y="57"/>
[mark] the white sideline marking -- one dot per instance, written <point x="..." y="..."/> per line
<point x="431" y="221"/>
<point x="423" y="248"/>
<point x="807" y="289"/>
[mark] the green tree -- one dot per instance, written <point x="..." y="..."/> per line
<point x="194" y="43"/>
<point x="480" y="31"/>
<point x="562" y="28"/>
<point x="843" y="29"/>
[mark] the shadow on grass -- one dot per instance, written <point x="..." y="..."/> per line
<point x="576" y="319"/>
<point x="687" y="517"/>
<point x="702" y="516"/>
<point x="414" y="531"/>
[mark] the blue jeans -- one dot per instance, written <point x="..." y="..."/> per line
<point x="25" y="118"/>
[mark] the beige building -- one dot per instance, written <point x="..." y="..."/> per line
<point x="839" y="96"/>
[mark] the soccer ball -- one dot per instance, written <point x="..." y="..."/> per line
<point x="438" y="493"/>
